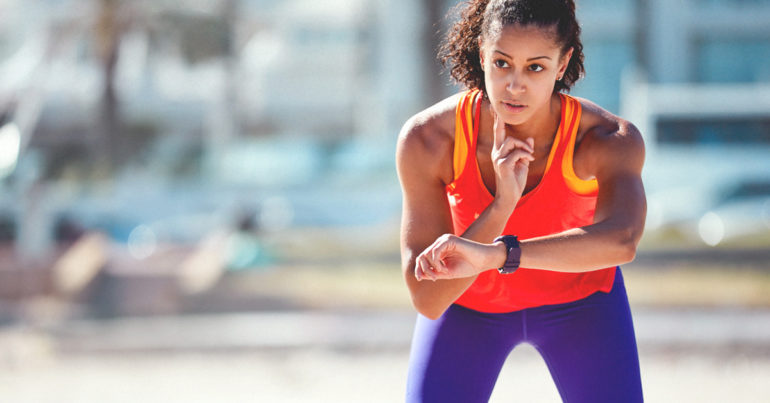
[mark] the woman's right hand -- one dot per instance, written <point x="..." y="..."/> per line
<point x="453" y="257"/>
<point x="510" y="158"/>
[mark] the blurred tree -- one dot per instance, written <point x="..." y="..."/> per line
<point x="431" y="39"/>
<point x="642" y="13"/>
<point x="108" y="29"/>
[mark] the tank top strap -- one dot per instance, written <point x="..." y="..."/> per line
<point x="570" y="120"/>
<point x="467" y="116"/>
<point x="571" y="114"/>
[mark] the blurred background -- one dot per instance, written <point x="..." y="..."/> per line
<point x="198" y="198"/>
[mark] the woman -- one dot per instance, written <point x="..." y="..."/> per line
<point x="516" y="156"/>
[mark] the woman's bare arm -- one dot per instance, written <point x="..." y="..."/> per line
<point x="426" y="214"/>
<point x="621" y="207"/>
<point x="617" y="160"/>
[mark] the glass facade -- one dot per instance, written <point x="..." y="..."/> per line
<point x="733" y="60"/>
<point x="714" y="131"/>
<point x="605" y="61"/>
<point x="606" y="5"/>
<point x="685" y="50"/>
<point x="728" y="3"/>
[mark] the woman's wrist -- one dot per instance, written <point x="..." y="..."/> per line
<point x="496" y="255"/>
<point x="504" y="206"/>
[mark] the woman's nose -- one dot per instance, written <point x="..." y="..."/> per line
<point x="516" y="83"/>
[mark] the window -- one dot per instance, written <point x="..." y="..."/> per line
<point x="714" y="131"/>
<point x="604" y="63"/>
<point x="733" y="60"/>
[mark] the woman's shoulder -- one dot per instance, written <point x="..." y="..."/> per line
<point x="599" y="125"/>
<point x="433" y="124"/>
<point x="427" y="138"/>
<point x="603" y="134"/>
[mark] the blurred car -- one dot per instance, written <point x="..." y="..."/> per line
<point x="743" y="211"/>
<point x="713" y="215"/>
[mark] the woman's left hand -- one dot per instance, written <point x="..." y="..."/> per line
<point x="451" y="256"/>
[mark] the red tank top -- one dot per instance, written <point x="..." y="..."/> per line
<point x="559" y="202"/>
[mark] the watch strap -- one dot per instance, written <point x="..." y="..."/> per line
<point x="513" y="258"/>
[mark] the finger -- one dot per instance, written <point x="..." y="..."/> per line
<point x="528" y="145"/>
<point x="510" y="143"/>
<point x="499" y="129"/>
<point x="417" y="269"/>
<point x="513" y="154"/>
<point x="420" y="268"/>
<point x="517" y="155"/>
<point x="434" y="265"/>
<point x="427" y="270"/>
<point x="436" y="257"/>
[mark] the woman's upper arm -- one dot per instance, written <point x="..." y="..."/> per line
<point x="618" y="170"/>
<point x="422" y="169"/>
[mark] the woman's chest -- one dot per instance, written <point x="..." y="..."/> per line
<point x="535" y="171"/>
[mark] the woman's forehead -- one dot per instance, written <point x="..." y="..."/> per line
<point x="516" y="36"/>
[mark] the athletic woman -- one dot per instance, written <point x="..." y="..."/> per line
<point x="558" y="176"/>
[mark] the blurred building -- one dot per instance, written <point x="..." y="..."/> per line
<point x="693" y="76"/>
<point x="123" y="115"/>
<point x="207" y="103"/>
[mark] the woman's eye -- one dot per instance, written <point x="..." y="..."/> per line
<point x="535" y="67"/>
<point x="501" y="63"/>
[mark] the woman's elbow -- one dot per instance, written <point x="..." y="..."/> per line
<point x="628" y="239"/>
<point x="426" y="305"/>
<point x="629" y="253"/>
<point x="424" y="298"/>
<point x="429" y="311"/>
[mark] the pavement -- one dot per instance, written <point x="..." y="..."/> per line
<point x="686" y="355"/>
<point x="374" y="329"/>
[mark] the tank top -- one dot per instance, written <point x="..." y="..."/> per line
<point x="559" y="202"/>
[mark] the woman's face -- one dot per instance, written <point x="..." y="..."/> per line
<point x="521" y="65"/>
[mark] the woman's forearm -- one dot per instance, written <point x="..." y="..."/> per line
<point x="490" y="223"/>
<point x="577" y="250"/>
<point x="433" y="298"/>
<point x="583" y="249"/>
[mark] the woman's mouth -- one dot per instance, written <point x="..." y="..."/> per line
<point x="514" y="106"/>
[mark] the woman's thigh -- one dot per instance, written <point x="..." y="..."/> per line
<point x="589" y="347"/>
<point x="458" y="357"/>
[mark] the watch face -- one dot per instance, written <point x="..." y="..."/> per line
<point x="513" y="256"/>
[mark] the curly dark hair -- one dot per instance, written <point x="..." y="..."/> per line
<point x="460" y="49"/>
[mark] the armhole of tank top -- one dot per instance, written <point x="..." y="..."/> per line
<point x="574" y="183"/>
<point x="462" y="144"/>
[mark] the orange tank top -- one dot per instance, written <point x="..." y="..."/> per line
<point x="559" y="202"/>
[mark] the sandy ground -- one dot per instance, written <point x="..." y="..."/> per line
<point x="354" y="356"/>
<point x="320" y="375"/>
<point x="703" y="332"/>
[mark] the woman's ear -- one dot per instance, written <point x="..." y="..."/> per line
<point x="481" y="54"/>
<point x="565" y="62"/>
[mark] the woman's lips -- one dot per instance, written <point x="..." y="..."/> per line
<point x="514" y="107"/>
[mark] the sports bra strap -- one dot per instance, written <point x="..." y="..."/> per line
<point x="466" y="132"/>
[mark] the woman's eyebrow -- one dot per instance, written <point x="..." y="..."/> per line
<point x="529" y="60"/>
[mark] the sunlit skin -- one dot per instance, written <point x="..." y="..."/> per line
<point x="521" y="66"/>
<point x="517" y="127"/>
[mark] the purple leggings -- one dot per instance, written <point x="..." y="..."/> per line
<point x="588" y="346"/>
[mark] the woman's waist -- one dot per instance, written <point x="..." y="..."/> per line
<point x="526" y="288"/>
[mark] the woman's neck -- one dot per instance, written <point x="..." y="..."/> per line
<point x="541" y="127"/>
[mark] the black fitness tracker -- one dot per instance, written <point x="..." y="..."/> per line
<point x="514" y="254"/>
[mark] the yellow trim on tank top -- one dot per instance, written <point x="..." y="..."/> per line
<point x="577" y="185"/>
<point x="466" y="103"/>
